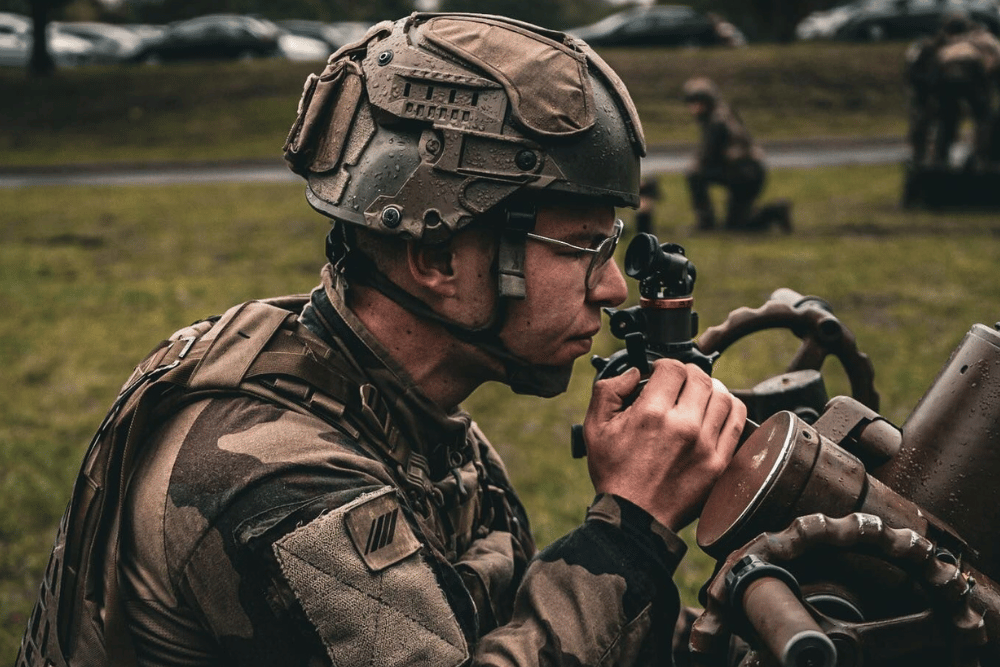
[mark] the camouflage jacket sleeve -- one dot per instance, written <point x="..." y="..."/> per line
<point x="257" y="536"/>
<point x="711" y="157"/>
<point x="602" y="595"/>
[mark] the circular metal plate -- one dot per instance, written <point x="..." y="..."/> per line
<point x="745" y="484"/>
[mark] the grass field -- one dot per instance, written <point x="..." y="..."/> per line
<point x="244" y="110"/>
<point x="91" y="278"/>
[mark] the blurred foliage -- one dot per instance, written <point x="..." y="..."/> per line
<point x="16" y="6"/>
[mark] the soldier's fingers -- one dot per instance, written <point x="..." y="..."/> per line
<point x="697" y="391"/>
<point x="610" y="393"/>
<point x="732" y="426"/>
<point x="664" y="386"/>
<point x="717" y="411"/>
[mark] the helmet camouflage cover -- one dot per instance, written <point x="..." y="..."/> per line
<point x="434" y="119"/>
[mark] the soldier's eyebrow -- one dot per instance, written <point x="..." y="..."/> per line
<point x="585" y="237"/>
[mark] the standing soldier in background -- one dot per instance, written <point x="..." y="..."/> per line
<point x="964" y="72"/>
<point x="921" y="67"/>
<point x="295" y="482"/>
<point x="988" y="46"/>
<point x="729" y="157"/>
<point x="649" y="194"/>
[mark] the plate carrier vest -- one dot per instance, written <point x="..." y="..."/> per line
<point x="254" y="348"/>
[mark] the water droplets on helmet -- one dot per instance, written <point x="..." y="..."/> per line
<point x="444" y="116"/>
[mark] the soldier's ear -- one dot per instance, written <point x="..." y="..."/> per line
<point x="431" y="267"/>
<point x="456" y="278"/>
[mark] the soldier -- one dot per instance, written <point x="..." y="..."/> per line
<point x="966" y="64"/>
<point x="299" y="484"/>
<point x="649" y="194"/>
<point x="729" y="157"/>
<point x="921" y="67"/>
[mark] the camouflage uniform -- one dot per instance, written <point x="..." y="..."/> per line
<point x="920" y="71"/>
<point x="966" y="67"/>
<point x="728" y="156"/>
<point x="255" y="534"/>
<point x="988" y="46"/>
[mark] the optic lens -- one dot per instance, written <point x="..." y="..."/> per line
<point x="604" y="252"/>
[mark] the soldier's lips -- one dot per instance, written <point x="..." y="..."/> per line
<point x="582" y="343"/>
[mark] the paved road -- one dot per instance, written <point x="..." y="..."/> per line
<point x="797" y="155"/>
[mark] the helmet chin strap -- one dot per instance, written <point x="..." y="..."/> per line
<point x="521" y="376"/>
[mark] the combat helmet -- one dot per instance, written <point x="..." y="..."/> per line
<point x="700" y="89"/>
<point x="956" y="22"/>
<point x="434" y="119"/>
<point x="431" y="121"/>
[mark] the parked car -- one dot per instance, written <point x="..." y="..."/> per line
<point x="335" y="34"/>
<point x="657" y="25"/>
<point x="111" y="43"/>
<point x="876" y="20"/>
<point x="214" y="37"/>
<point x="147" y="32"/>
<point x="300" y="47"/>
<point x="824" y="24"/>
<point x="16" y="41"/>
<point x="348" y="32"/>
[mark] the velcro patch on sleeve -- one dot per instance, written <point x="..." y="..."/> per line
<point x="390" y="613"/>
<point x="379" y="532"/>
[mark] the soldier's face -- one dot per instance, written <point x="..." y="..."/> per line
<point x="556" y="322"/>
<point x="697" y="109"/>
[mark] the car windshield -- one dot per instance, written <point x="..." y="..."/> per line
<point x="263" y="27"/>
<point x="612" y="22"/>
<point x="661" y="12"/>
<point x="98" y="31"/>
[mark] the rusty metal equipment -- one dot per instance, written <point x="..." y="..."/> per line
<point x="800" y="387"/>
<point x="888" y="535"/>
<point x="841" y="539"/>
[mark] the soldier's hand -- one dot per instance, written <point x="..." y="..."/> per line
<point x="664" y="451"/>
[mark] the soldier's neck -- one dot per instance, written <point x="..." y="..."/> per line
<point x="446" y="369"/>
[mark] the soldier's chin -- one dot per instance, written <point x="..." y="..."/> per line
<point x="542" y="381"/>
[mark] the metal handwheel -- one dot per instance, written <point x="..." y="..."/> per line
<point x="753" y="593"/>
<point x="799" y="388"/>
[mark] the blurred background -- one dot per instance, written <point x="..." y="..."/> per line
<point x="93" y="274"/>
<point x="79" y="32"/>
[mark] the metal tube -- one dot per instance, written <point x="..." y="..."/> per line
<point x="785" y="626"/>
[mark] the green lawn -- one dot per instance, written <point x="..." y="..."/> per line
<point x="91" y="278"/>
<point x="244" y="110"/>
